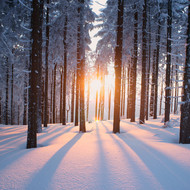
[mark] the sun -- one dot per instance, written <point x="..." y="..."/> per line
<point x="95" y="85"/>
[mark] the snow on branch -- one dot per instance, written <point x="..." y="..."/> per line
<point x="25" y="5"/>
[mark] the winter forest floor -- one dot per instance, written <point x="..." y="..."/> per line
<point x="145" y="157"/>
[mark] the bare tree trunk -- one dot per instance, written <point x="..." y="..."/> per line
<point x="161" y="95"/>
<point x="118" y="64"/>
<point x="185" y="107"/>
<point x="54" y="92"/>
<point x="109" y="104"/>
<point x="82" y="126"/>
<point x="61" y="96"/>
<point x="96" y="106"/>
<point x="73" y="98"/>
<point x="176" y="87"/>
<point x="33" y="114"/>
<point x="46" y="67"/>
<point x="152" y="94"/>
<point x="12" y="89"/>
<point x="65" y="72"/>
<point x="51" y="100"/>
<point x="149" y="61"/>
<point x="157" y="66"/>
<point x="25" y="96"/>
<point x="7" y="94"/>
<point x="129" y="101"/>
<point x="168" y="65"/>
<point x="134" y="65"/>
<point x="144" y="57"/>
<point x="88" y="98"/>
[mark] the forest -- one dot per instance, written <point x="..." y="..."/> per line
<point x="94" y="94"/>
<point x="48" y="70"/>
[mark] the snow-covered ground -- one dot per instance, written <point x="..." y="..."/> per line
<point x="145" y="157"/>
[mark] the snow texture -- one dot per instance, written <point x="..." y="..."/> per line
<point x="141" y="157"/>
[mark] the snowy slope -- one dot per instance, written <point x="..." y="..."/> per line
<point x="144" y="157"/>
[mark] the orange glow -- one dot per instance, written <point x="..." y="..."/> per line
<point x="95" y="85"/>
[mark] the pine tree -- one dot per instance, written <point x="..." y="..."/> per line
<point x="118" y="64"/>
<point x="144" y="56"/>
<point x="168" y="63"/>
<point x="185" y="107"/>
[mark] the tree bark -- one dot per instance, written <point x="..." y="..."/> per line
<point x="134" y="65"/>
<point x="65" y="72"/>
<point x="185" y="107"/>
<point x="168" y="63"/>
<point x="34" y="74"/>
<point x="144" y="57"/>
<point x="46" y="67"/>
<point x="7" y="94"/>
<point x="54" y="92"/>
<point x="73" y="98"/>
<point x="118" y="64"/>
<point x="157" y="66"/>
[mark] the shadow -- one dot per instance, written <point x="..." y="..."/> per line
<point x="42" y="179"/>
<point x="54" y="136"/>
<point x="102" y="164"/>
<point x="161" y="166"/>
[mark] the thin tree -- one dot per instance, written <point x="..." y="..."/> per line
<point x="168" y="63"/>
<point x="144" y="56"/>
<point x="185" y="107"/>
<point x="7" y="93"/>
<point x="82" y="127"/>
<point x="157" y="66"/>
<point x="65" y="71"/>
<point x="134" y="65"/>
<point x="54" y="91"/>
<point x="73" y="97"/>
<point x="118" y="64"/>
<point x="46" y="67"/>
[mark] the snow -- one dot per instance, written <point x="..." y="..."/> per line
<point x="141" y="157"/>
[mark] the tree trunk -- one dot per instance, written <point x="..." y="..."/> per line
<point x="96" y="106"/>
<point x="144" y="57"/>
<point x="118" y="64"/>
<point x="65" y="72"/>
<point x="149" y="61"/>
<point x="34" y="74"/>
<point x="54" y="92"/>
<point x="7" y="94"/>
<point x="185" y="107"/>
<point x="152" y="93"/>
<point x="39" y="81"/>
<point x="25" y="96"/>
<point x="61" y="97"/>
<point x="168" y="65"/>
<point x="129" y="101"/>
<point x="109" y="105"/>
<point x="82" y="127"/>
<point x="12" y="91"/>
<point x="134" y="65"/>
<point x="157" y="66"/>
<point x="176" y="87"/>
<point x="161" y="94"/>
<point x="73" y="98"/>
<point x="46" y="67"/>
<point x="88" y="99"/>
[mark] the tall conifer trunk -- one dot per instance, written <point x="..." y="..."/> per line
<point x="144" y="56"/>
<point x="118" y="64"/>
<point x="134" y="65"/>
<point x="46" y="67"/>
<point x="34" y="74"/>
<point x="65" y="72"/>
<point x="185" y="107"/>
<point x="168" y="63"/>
